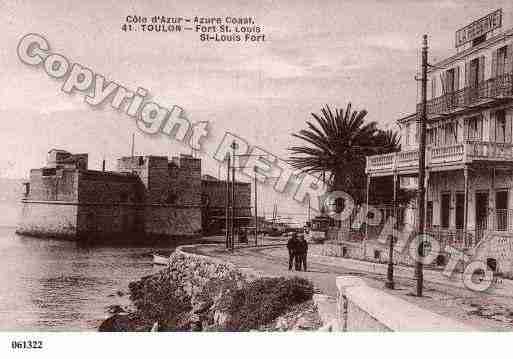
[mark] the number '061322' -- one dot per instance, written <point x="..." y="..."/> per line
<point x="27" y="344"/>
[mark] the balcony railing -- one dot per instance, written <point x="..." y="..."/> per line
<point x="439" y="156"/>
<point x="456" y="238"/>
<point x="495" y="88"/>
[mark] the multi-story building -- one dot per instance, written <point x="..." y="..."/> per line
<point x="469" y="153"/>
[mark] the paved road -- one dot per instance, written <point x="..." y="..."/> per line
<point x="482" y="310"/>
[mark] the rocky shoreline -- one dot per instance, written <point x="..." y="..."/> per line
<point x="201" y="293"/>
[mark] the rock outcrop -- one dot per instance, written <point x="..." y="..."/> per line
<point x="200" y="293"/>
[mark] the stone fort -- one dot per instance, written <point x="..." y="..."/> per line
<point x="147" y="197"/>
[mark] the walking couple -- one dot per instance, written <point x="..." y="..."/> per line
<point x="298" y="249"/>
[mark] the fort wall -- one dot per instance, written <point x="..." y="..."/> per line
<point x="48" y="219"/>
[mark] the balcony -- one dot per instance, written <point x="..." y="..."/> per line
<point x="453" y="155"/>
<point x="497" y="88"/>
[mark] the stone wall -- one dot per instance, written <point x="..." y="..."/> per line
<point x="185" y="180"/>
<point x="363" y="308"/>
<point x="164" y="220"/>
<point x="496" y="249"/>
<point x="108" y="188"/>
<point x="58" y="220"/>
<point x="51" y="184"/>
<point x="371" y="250"/>
<point x="109" y="221"/>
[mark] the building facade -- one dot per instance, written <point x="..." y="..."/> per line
<point x="214" y="193"/>
<point x="469" y="153"/>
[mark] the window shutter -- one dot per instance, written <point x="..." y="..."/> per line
<point x="456" y="78"/>
<point x="442" y="80"/>
<point x="492" y="127"/>
<point x="467" y="74"/>
<point x="480" y="124"/>
<point x="465" y="129"/>
<point x="509" y="59"/>
<point x="508" y="127"/>
<point x="481" y="69"/>
<point x="494" y="63"/>
<point x="433" y="87"/>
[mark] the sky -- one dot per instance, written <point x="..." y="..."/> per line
<point x="326" y="52"/>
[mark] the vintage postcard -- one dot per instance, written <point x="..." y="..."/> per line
<point x="255" y="166"/>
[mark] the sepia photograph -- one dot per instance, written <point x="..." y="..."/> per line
<point x="290" y="173"/>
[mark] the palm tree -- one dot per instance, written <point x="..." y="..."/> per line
<point x="336" y="146"/>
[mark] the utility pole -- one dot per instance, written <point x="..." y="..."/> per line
<point x="256" y="213"/>
<point x="132" y="151"/>
<point x="422" y="168"/>
<point x="390" y="268"/>
<point x="308" y="209"/>
<point x="227" y="205"/>
<point x="233" y="146"/>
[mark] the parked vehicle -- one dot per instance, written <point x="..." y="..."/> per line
<point x="318" y="229"/>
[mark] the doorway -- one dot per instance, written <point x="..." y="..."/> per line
<point x="445" y="210"/>
<point x="460" y="210"/>
<point x="481" y="212"/>
<point x="501" y="210"/>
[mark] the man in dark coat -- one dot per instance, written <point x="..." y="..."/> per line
<point x="292" y="248"/>
<point x="302" y="252"/>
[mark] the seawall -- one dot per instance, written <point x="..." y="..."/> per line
<point x="93" y="222"/>
<point x="363" y="308"/>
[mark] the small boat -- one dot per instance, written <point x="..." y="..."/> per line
<point x="161" y="260"/>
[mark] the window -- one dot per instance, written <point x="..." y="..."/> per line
<point x="407" y="133"/>
<point x="49" y="172"/>
<point x="172" y="197"/>
<point x="433" y="87"/>
<point x="500" y="68"/>
<point x="377" y="255"/>
<point x="27" y="188"/>
<point x="450" y="80"/>
<point x="474" y="75"/>
<point x="430" y="140"/>
<point x="500" y="126"/>
<point x="451" y="133"/>
<point x="475" y="128"/>
<point x="440" y="260"/>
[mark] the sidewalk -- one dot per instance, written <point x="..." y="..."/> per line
<point x="504" y="287"/>
<point x="484" y="311"/>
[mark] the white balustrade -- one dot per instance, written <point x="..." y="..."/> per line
<point x="462" y="152"/>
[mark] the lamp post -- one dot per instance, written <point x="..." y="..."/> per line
<point x="233" y="147"/>
<point x="256" y="213"/>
